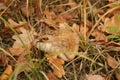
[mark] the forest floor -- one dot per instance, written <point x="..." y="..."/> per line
<point x="59" y="39"/>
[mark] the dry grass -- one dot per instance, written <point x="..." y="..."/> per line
<point x="91" y="58"/>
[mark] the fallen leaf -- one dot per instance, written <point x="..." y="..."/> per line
<point x="82" y="30"/>
<point x="76" y="27"/>
<point x="27" y="10"/>
<point x="50" y="19"/>
<point x="62" y="41"/>
<point x="27" y="37"/>
<point x="117" y="74"/>
<point x="2" y="6"/>
<point x="37" y="9"/>
<point x="72" y="3"/>
<point x="17" y="51"/>
<point x="112" y="62"/>
<point x="23" y="62"/>
<point x="6" y="2"/>
<point x="112" y="25"/>
<point x="27" y="34"/>
<point x="95" y="77"/>
<point x="51" y="76"/>
<point x="53" y="20"/>
<point x="14" y="24"/>
<point x="112" y="5"/>
<point x="111" y="0"/>
<point x="56" y="65"/>
<point x="100" y="38"/>
<point x="3" y="59"/>
<point x="112" y="48"/>
<point x="8" y="71"/>
<point x="112" y="43"/>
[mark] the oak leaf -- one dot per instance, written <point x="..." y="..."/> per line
<point x="63" y="41"/>
<point x="99" y="37"/>
<point x="111" y="25"/>
<point x="26" y="36"/>
<point x="56" y="65"/>
<point x="23" y="40"/>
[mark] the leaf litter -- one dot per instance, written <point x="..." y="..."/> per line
<point x="45" y="35"/>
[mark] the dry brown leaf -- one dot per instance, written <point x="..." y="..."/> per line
<point x="112" y="62"/>
<point x="117" y="74"/>
<point x="72" y="3"/>
<point x="116" y="11"/>
<point x="56" y="65"/>
<point x="112" y="4"/>
<point x="114" y="44"/>
<point x="113" y="48"/>
<point x="14" y="24"/>
<point x="58" y="9"/>
<point x="51" y="76"/>
<point x="6" y="2"/>
<point x="82" y="30"/>
<point x="25" y="66"/>
<point x="53" y="20"/>
<point x="3" y="59"/>
<point x="76" y="27"/>
<point x="112" y="25"/>
<point x="27" y="11"/>
<point x="17" y="51"/>
<point x="111" y="0"/>
<point x="2" y="6"/>
<point x="63" y="41"/>
<point x="8" y="71"/>
<point x="21" y="59"/>
<point x="95" y="77"/>
<point x="37" y="9"/>
<point x="100" y="38"/>
<point x="63" y="18"/>
<point x="49" y="18"/>
<point x="27" y="37"/>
